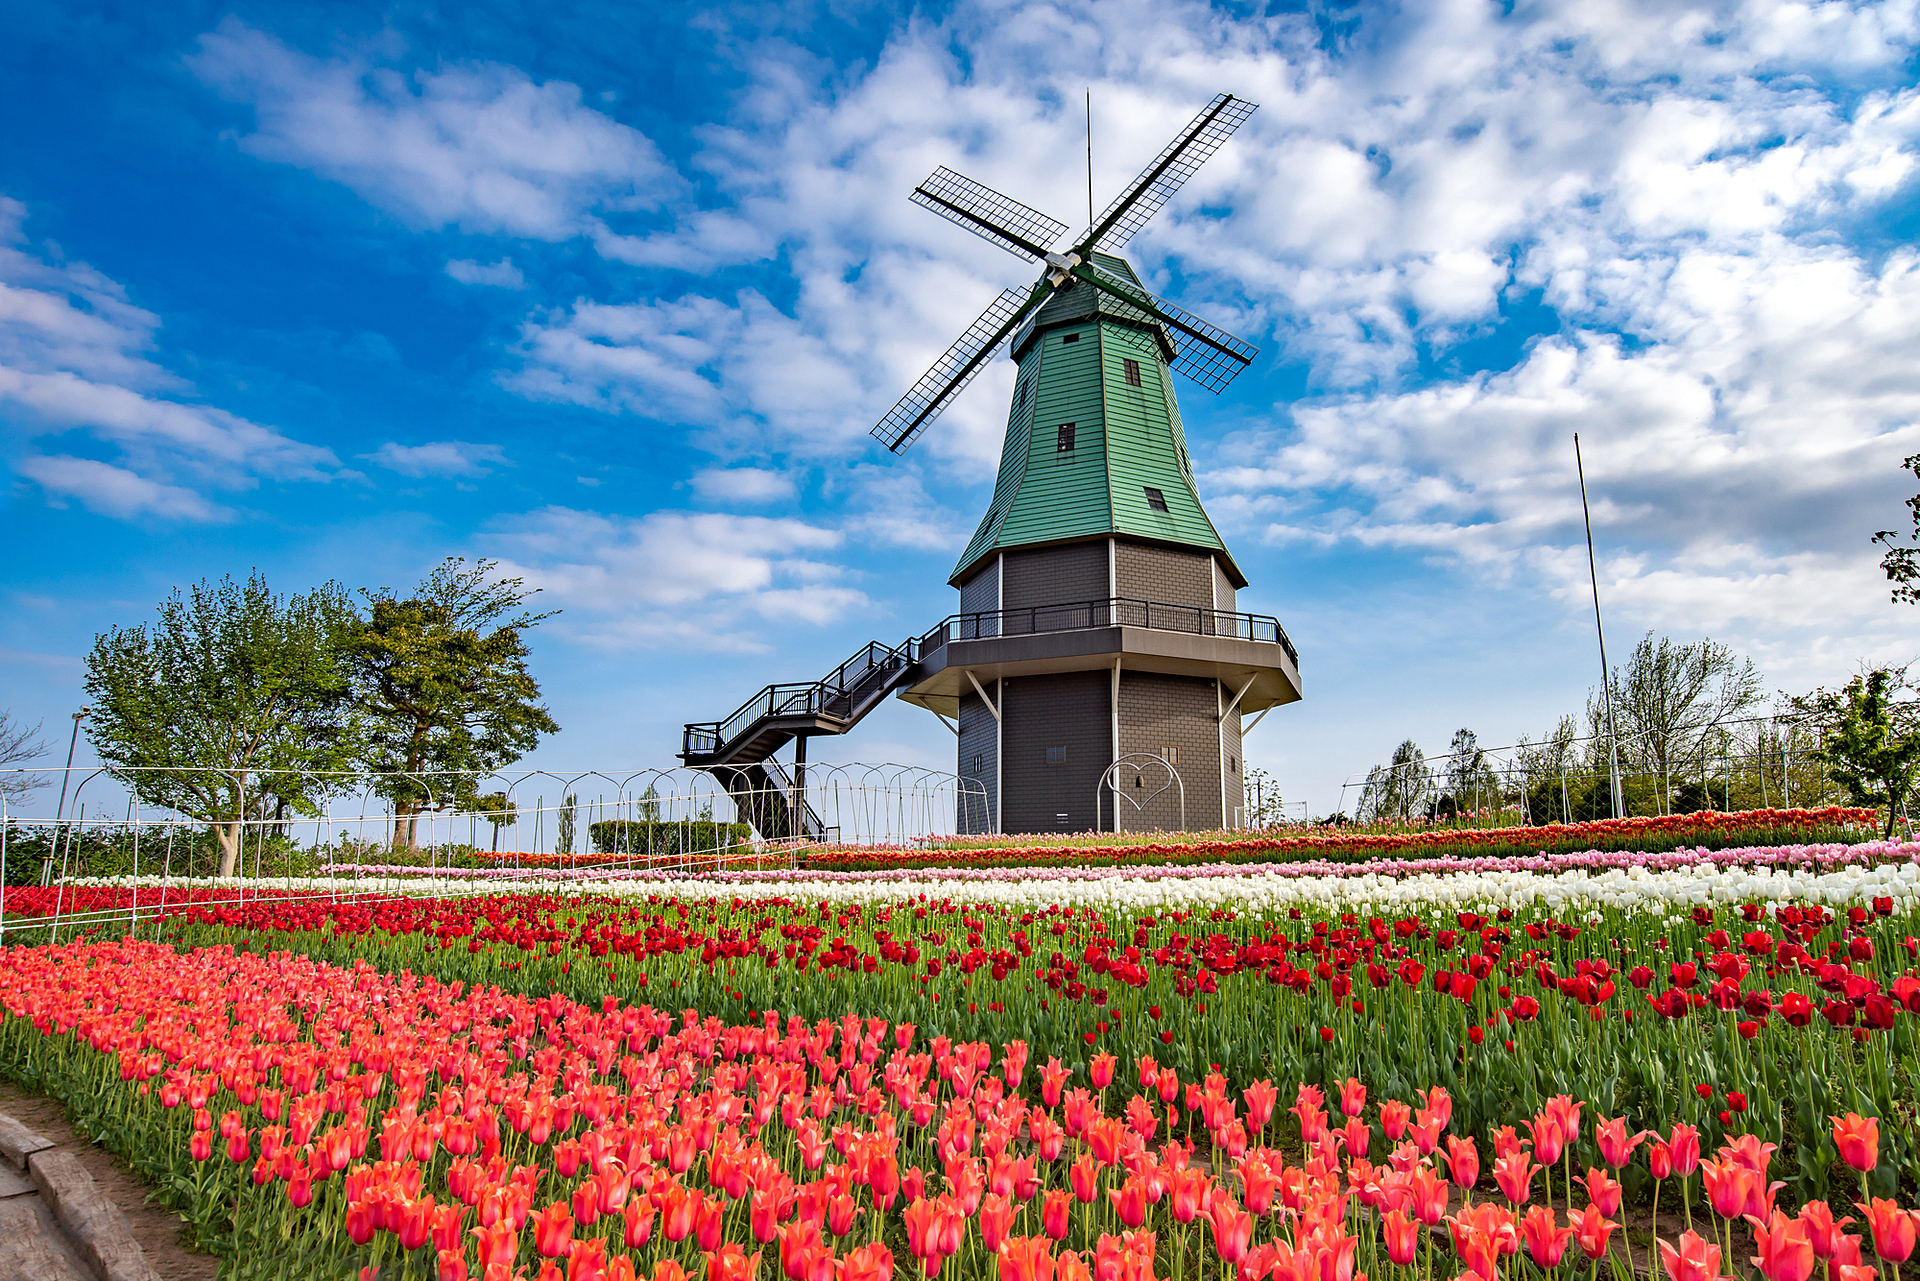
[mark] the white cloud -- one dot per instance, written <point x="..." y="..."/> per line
<point x="742" y="485"/>
<point x="684" y="579"/>
<point x="480" y="146"/>
<point x="113" y="491"/>
<point x="439" y="458"/>
<point x="74" y="360"/>
<point x="501" y="275"/>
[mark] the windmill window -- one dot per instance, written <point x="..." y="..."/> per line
<point x="1155" y="499"/>
<point x="1065" y="442"/>
<point x="1170" y="754"/>
<point x="1071" y="338"/>
<point x="1026" y="389"/>
<point x="1056" y="756"/>
<point x="979" y="763"/>
<point x="1133" y="372"/>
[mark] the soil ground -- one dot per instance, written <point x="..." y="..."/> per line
<point x="158" y="1230"/>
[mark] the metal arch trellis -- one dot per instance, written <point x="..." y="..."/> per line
<point x="1138" y="762"/>
<point x="356" y="851"/>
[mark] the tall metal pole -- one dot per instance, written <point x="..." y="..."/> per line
<point x="1606" y="674"/>
<point x="60" y="809"/>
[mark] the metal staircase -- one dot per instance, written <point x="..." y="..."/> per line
<point x="739" y="749"/>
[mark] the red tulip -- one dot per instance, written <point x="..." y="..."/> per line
<point x="1695" y="1260"/>
<point x="1858" y="1138"/>
<point x="1402" y="1236"/>
<point x="1786" y="1252"/>
<point x="1546" y="1243"/>
<point x="1894" y="1230"/>
<point x="553" y="1230"/>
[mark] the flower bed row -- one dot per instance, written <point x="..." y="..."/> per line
<point x="1663" y="832"/>
<point x="1796" y="1006"/>
<point x="1840" y="875"/>
<point x="313" y="1120"/>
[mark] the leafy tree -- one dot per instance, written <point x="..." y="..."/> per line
<point x="1870" y="738"/>
<point x="1470" y="781"/>
<point x="497" y="810"/>
<point x="1671" y="696"/>
<point x="1400" y="788"/>
<point x="19" y="743"/>
<point x="440" y="679"/>
<point x="569" y="824"/>
<point x="233" y="695"/>
<point x="1267" y="807"/>
<point x="1545" y="766"/>
<point x="1902" y="564"/>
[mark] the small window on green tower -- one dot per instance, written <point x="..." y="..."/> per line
<point x="1071" y="338"/>
<point x="1133" y="372"/>
<point x="1156" y="499"/>
<point x="1065" y="444"/>
<point x="1026" y="389"/>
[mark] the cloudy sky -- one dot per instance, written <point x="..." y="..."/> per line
<point x="613" y="295"/>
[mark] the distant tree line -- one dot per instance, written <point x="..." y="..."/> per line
<point x="1691" y="730"/>
<point x="239" y="704"/>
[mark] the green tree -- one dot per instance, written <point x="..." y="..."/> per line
<point x="497" y="810"/>
<point x="440" y="680"/>
<point x="234" y="694"/>
<point x="1870" y="738"/>
<point x="1399" y="789"/>
<point x="1902" y="564"/>
<point x="1671" y="697"/>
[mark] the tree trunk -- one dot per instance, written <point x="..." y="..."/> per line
<point x="406" y="827"/>
<point x="229" y="835"/>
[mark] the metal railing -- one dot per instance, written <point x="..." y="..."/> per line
<point x="837" y="693"/>
<point x="1117" y="611"/>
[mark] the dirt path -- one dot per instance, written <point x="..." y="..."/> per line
<point x="157" y="1229"/>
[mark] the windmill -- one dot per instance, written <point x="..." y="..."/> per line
<point x="1098" y="671"/>
<point x="1205" y="353"/>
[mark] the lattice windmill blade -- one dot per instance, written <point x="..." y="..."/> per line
<point x="956" y="368"/>
<point x="1210" y="355"/>
<point x="997" y="219"/>
<point x="1169" y="171"/>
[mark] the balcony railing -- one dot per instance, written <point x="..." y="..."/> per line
<point x="1118" y="611"/>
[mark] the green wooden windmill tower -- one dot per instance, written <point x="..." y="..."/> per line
<point x="1098" y="626"/>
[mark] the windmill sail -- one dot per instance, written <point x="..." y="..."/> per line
<point x="997" y="219"/>
<point x="1209" y="355"/>
<point x="1168" y="173"/>
<point x="956" y="368"/>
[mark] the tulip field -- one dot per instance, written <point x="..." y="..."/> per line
<point x="1441" y="1066"/>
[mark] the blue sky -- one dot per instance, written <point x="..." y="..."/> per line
<point x="613" y="295"/>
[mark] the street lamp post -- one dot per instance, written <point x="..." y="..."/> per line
<point x="60" y="809"/>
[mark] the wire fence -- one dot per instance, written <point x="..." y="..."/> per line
<point x="1751" y="763"/>
<point x="284" y="835"/>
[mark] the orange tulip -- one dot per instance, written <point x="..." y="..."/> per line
<point x="1023" y="1259"/>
